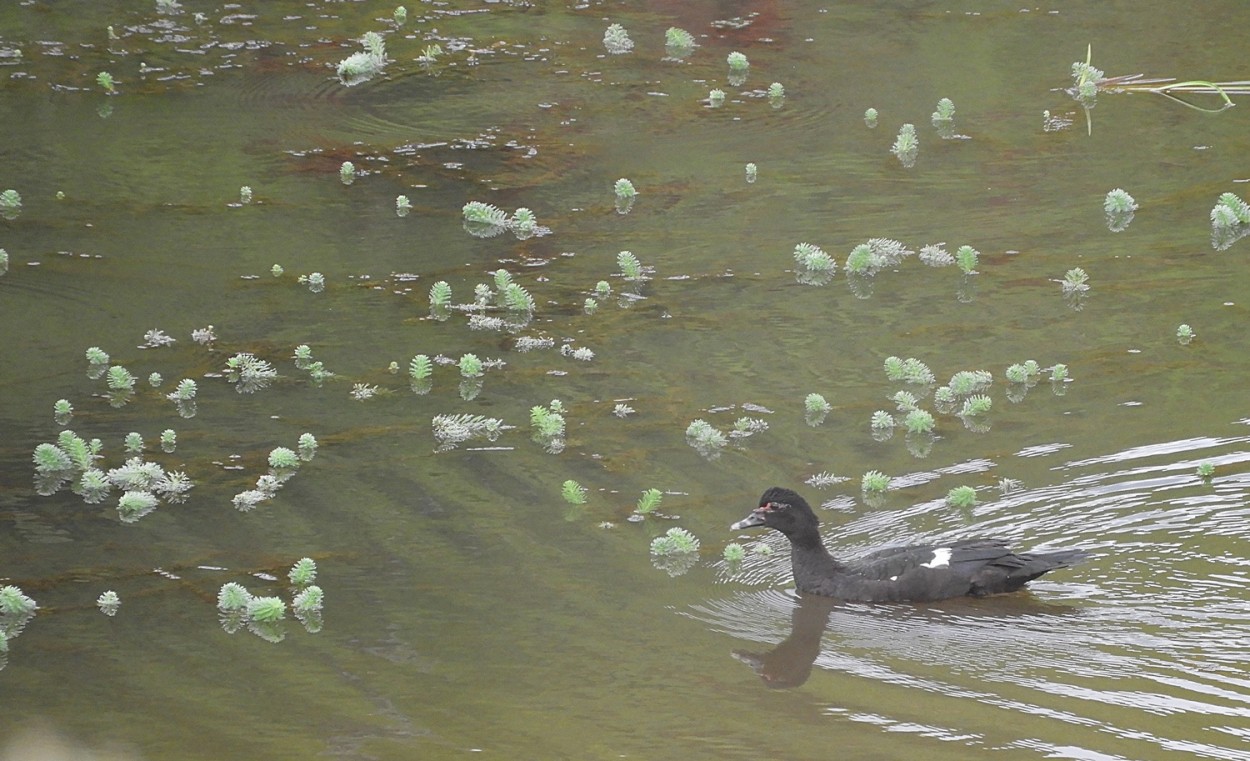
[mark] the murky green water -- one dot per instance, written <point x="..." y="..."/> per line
<point x="468" y="608"/>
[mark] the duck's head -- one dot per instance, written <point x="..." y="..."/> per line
<point x="781" y="509"/>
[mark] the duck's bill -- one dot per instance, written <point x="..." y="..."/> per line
<point x="752" y="520"/>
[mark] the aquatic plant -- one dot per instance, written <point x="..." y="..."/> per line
<point x="874" y="482"/>
<point x="430" y="53"/>
<point x="303" y="572"/>
<point x="184" y="392"/>
<point x="882" y="420"/>
<point x="752" y="171"/>
<point x="120" y="379"/>
<point x="1230" y="211"/>
<point x="308" y="600"/>
<point x="962" y="497"/>
<point x="918" y="421"/>
<point x="967" y="257"/>
<point x="440" y="295"/>
<point x="905" y="401"/>
<point x="347" y="172"/>
<point x="517" y="299"/>
<point x="93" y="486"/>
<point x="978" y="404"/>
<point x="1118" y="202"/>
<point x="814" y="403"/>
<point x="1075" y="280"/>
<point x="4" y="262"/>
<point x="737" y="61"/>
<point x="734" y="553"/>
<point x="133" y="505"/>
<point x="580" y="353"/>
<point x="906" y="145"/>
<point x="470" y="366"/>
<point x="155" y="380"/>
<point x="266" y="609"/>
<point x="306" y="446"/>
<point x="106" y="83"/>
<point x="747" y="426"/>
<point x="622" y="410"/>
<point x="675" y="541"/>
<point x="133" y="443"/>
<point x="701" y="435"/>
<point x="523" y="222"/>
<point x="206" y="335"/>
<point x="283" y="458"/>
<point x="484" y="213"/>
<point x="155" y="338"/>
<point x="108" y="602"/>
<point x="1059" y="373"/>
<point x="249" y="373"/>
<point x="1184" y="334"/>
<point x="62" y="411"/>
<point x="547" y="422"/>
<point x="870" y="117"/>
<point x="910" y="370"/>
<point x="245" y="194"/>
<point x="716" y="97"/>
<point x="624" y="189"/>
<point x="776" y="91"/>
<point x="649" y="501"/>
<point x="813" y="259"/>
<point x="400" y="14"/>
<point x="590" y="305"/>
<point x="14" y="602"/>
<point x="362" y="391"/>
<point x="97" y="356"/>
<point x="573" y="492"/>
<point x="420" y="368"/>
<point x="678" y="38"/>
<point x="966" y="382"/>
<point x="630" y="266"/>
<point x="945" y="112"/>
<point x="402" y="205"/>
<point x="1205" y="470"/>
<point x="616" y="40"/>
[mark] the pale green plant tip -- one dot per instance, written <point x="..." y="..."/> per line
<point x="303" y="572"/>
<point x="649" y="501"/>
<point x="919" y="421"/>
<point x="676" y="541"/>
<point x="962" y="497"/>
<point x="874" y="482"/>
<point x="1206" y="470"/>
<point x="573" y="492"/>
<point x="737" y="61"/>
<point x="282" y="458"/>
<point x="266" y="609"/>
<point x="14" y="602"/>
<point x="734" y="553"/>
<point x="814" y="403"/>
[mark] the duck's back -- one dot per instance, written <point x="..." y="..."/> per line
<point x="921" y="573"/>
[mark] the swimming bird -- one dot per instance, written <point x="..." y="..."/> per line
<point x="915" y="573"/>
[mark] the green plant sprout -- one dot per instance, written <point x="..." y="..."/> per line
<point x="347" y="172"/>
<point x="523" y="221"/>
<point x="249" y="373"/>
<point x="1206" y="470"/>
<point x="906" y="145"/>
<point x="737" y="61"/>
<point x="874" y="482"/>
<point x="945" y="112"/>
<point x="752" y="171"/>
<point x="308" y="600"/>
<point x="678" y="38"/>
<point x="716" y="97"/>
<point x="470" y="366"/>
<point x="1230" y="211"/>
<point x="910" y="370"/>
<point x="905" y="401"/>
<point x="962" y="497"/>
<point x="616" y="40"/>
<point x="624" y="188"/>
<point x="918" y="421"/>
<point x="676" y="541"/>
<point x="184" y="392"/>
<point x="649" y="501"/>
<point x="120" y="379"/>
<point x="1118" y="201"/>
<point x="734" y="553"/>
<point x="108" y="602"/>
<point x="266" y="609"/>
<point x="870" y="117"/>
<point x="245" y="194"/>
<point x="13" y="602"/>
<point x="776" y="91"/>
<point x="233" y="597"/>
<point x="440" y="295"/>
<point x="360" y="66"/>
<point x="106" y="83"/>
<point x="420" y="368"/>
<point x="1088" y="81"/>
<point x="283" y="458"/>
<point x="97" y="356"/>
<point x="978" y="404"/>
<point x="573" y="492"/>
<point x="1184" y="334"/>
<point x="402" y="205"/>
<point x="812" y="258"/>
<point x="169" y="440"/>
<point x="882" y="421"/>
<point x="815" y="403"/>
<point x="430" y="53"/>
<point x="303" y="572"/>
<point x="1059" y="373"/>
<point x="967" y="258"/>
<point x="4" y="262"/>
<point x="62" y="411"/>
<point x="1075" y="280"/>
<point x="307" y="446"/>
<point x="400" y="15"/>
<point x="133" y="443"/>
<point x="630" y="266"/>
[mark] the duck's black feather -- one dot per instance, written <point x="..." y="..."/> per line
<point x="916" y="573"/>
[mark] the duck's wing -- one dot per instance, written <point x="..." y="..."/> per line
<point x="963" y="558"/>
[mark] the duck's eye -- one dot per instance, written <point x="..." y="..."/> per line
<point x="774" y="506"/>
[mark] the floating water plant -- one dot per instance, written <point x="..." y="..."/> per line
<point x="649" y="501"/>
<point x="815" y="403"/>
<point x="430" y="53"/>
<point x="1119" y="207"/>
<point x="315" y="281"/>
<point x="676" y="541"/>
<point x="734" y="553"/>
<point x="752" y="171"/>
<point x="624" y="189"/>
<point x="1059" y="373"/>
<point x="97" y="356"/>
<point x="547" y="422"/>
<point x="245" y="194"/>
<point x="936" y="255"/>
<point x="420" y="368"/>
<point x="882" y="421"/>
<point x="874" y="482"/>
<point x="106" y="83"/>
<point x="184" y="392"/>
<point x="905" y="401"/>
<point x="1075" y="280"/>
<point x="169" y="440"/>
<point x="308" y="600"/>
<point x="870" y="118"/>
<point x="470" y="366"/>
<point x="266" y="609"/>
<point x="776" y="94"/>
<point x="701" y="435"/>
<point x="616" y="40"/>
<point x="62" y="411"/>
<point x="400" y="15"/>
<point x="918" y="421"/>
<point x="812" y="258"/>
<point x="14" y="602"/>
<point x="962" y="497"/>
<point x="1184" y="334"/>
<point x="978" y="404"/>
<point x="133" y="505"/>
<point x="716" y="97"/>
<point x="249" y="373"/>
<point x="155" y="380"/>
<point x="678" y="38"/>
<point x="282" y="458"/>
<point x="440" y="295"/>
<point x="906" y="145"/>
<point x="307" y="446"/>
<point x="945" y="112"/>
<point x="910" y="370"/>
<point x="4" y="262"/>
<point x="347" y="172"/>
<point x="358" y="67"/>
<point x="133" y="443"/>
<point x="967" y="258"/>
<point x="737" y="61"/>
<point x="1205" y="470"/>
<point x="573" y="492"/>
<point x="108" y="602"/>
<point x="402" y="205"/>
<point x="630" y="266"/>
<point x="303" y="572"/>
<point x="1230" y="211"/>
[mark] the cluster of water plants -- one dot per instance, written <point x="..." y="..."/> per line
<point x="1230" y="221"/>
<point x="263" y="615"/>
<point x="16" y="610"/>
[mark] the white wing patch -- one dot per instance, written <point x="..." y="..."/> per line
<point x="941" y="558"/>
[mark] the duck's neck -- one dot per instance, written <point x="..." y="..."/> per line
<point x="810" y="560"/>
